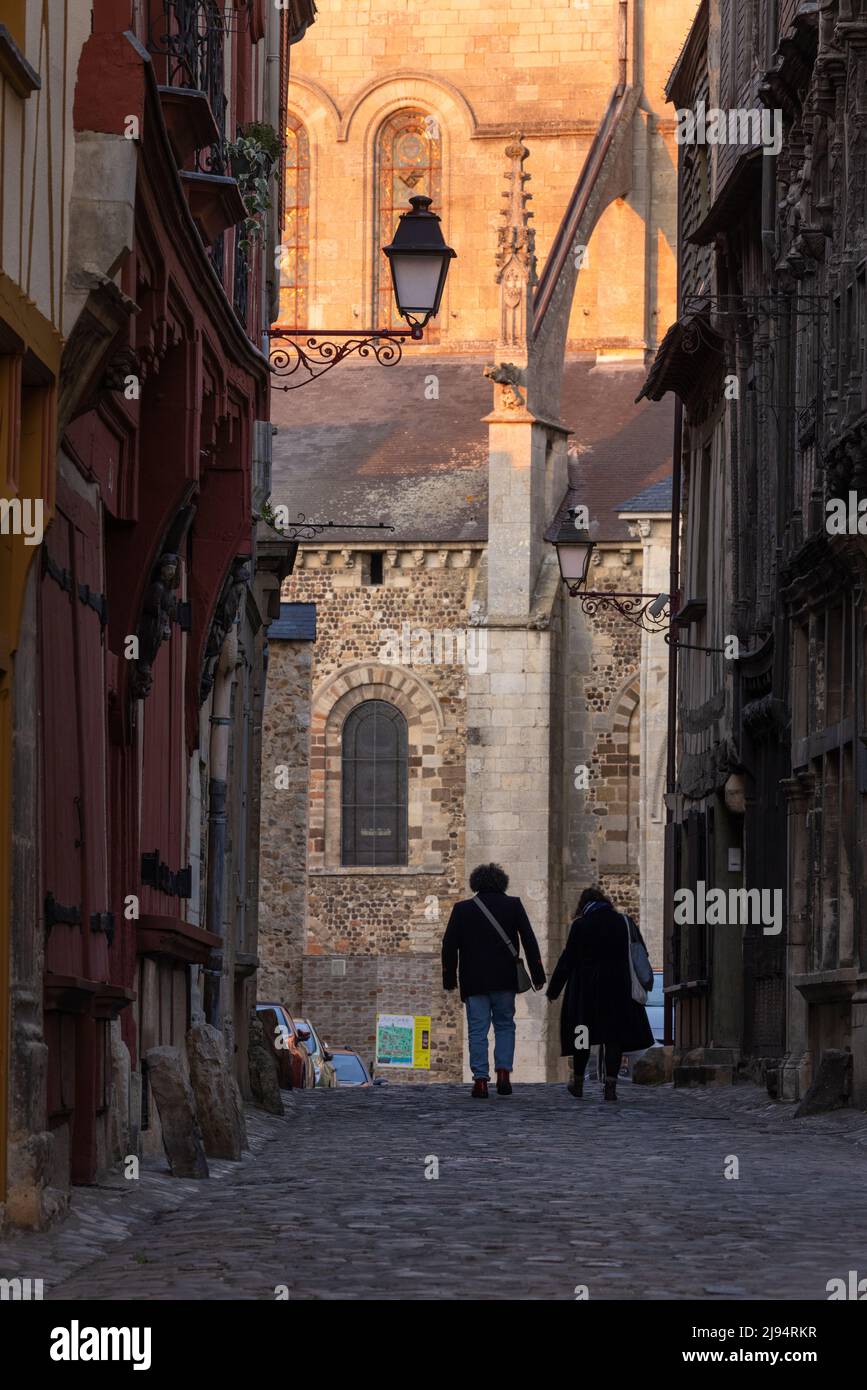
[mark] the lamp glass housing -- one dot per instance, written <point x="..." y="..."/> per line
<point x="574" y="549"/>
<point x="419" y="261"/>
<point x="417" y="282"/>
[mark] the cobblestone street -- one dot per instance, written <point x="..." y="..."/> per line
<point x="536" y="1194"/>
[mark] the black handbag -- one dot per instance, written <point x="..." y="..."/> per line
<point x="524" y="981"/>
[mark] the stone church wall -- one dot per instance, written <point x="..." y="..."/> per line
<point x="367" y="941"/>
<point x="602" y="683"/>
<point x="477" y="73"/>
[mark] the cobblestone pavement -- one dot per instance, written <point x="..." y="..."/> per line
<point x="536" y="1194"/>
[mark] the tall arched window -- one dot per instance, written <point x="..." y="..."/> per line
<point x="408" y="161"/>
<point x="296" y="227"/>
<point x="374" y="786"/>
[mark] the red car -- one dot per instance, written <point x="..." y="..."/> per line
<point x="287" y="1040"/>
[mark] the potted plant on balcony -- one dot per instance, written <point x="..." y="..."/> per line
<point x="252" y="158"/>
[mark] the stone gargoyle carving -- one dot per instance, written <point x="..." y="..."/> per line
<point x="510" y="380"/>
<point x="155" y="624"/>
<point x="226" y="612"/>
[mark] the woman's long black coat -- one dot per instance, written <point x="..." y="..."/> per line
<point x="594" y="967"/>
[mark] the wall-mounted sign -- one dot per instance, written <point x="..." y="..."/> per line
<point x="403" y="1040"/>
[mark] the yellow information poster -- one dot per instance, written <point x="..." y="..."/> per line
<point x="421" y="1042"/>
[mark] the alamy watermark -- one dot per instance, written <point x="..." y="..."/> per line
<point x="422" y="646"/>
<point x="740" y="126"/>
<point x="846" y="516"/>
<point x="22" y="516"/>
<point x="730" y="907"/>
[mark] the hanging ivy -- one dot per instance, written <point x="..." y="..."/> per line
<point x="253" y="156"/>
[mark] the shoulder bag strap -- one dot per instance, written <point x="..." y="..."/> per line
<point x="494" y="923"/>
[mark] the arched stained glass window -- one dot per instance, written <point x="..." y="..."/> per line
<point x="374" y="786"/>
<point x="408" y="161"/>
<point x="296" y="227"/>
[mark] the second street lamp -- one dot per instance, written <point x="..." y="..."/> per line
<point x="418" y="259"/>
<point x="575" y="547"/>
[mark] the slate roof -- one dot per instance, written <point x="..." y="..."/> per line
<point x="406" y="444"/>
<point x="297" y="623"/>
<point x="656" y="498"/>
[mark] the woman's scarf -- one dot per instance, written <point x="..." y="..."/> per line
<point x="591" y="907"/>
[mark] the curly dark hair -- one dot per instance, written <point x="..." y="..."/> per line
<point x="489" y="878"/>
<point x="591" y="895"/>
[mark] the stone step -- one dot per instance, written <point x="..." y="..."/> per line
<point x="708" y="1075"/>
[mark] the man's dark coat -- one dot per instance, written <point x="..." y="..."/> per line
<point x="476" y="955"/>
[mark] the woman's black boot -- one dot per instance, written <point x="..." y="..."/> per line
<point x="610" y="1088"/>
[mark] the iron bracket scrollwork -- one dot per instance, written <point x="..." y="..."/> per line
<point x="305" y="530"/>
<point x="312" y="354"/>
<point x="634" y="607"/>
<point x="673" y="641"/>
<point x="745" y="306"/>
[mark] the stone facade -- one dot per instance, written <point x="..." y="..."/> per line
<point x="769" y="358"/>
<point x="370" y="937"/>
<point x="343" y="944"/>
<point x="494" y="746"/>
<point x="476" y="73"/>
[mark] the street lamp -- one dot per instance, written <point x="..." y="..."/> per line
<point x="574" y="548"/>
<point x="419" y="260"/>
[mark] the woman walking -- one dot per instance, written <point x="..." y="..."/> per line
<point x="481" y="948"/>
<point x="598" y="1007"/>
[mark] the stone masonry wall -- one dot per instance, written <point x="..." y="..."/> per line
<point x="602" y="682"/>
<point x="283" y="844"/>
<point x="371" y="937"/>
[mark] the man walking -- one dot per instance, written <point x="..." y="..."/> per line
<point x="481" y="950"/>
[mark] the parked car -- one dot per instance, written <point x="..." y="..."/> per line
<point x="288" y="1042"/>
<point x="323" y="1066"/>
<point x="350" y="1069"/>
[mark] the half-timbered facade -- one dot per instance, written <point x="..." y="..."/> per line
<point x="767" y="358"/>
<point x="154" y="593"/>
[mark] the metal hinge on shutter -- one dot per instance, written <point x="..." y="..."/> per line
<point x="54" y="571"/>
<point x="56" y="912"/>
<point x="184" y="616"/>
<point x="156" y="874"/>
<point x="104" y="922"/>
<point x="63" y="577"/>
<point x="97" y="602"/>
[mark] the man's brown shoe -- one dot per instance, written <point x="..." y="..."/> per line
<point x="504" y="1085"/>
<point x="480" y="1088"/>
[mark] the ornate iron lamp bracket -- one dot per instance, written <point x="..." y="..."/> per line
<point x="634" y="607"/>
<point x="309" y="354"/>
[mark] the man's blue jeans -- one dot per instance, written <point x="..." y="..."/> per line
<point x="482" y="1009"/>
